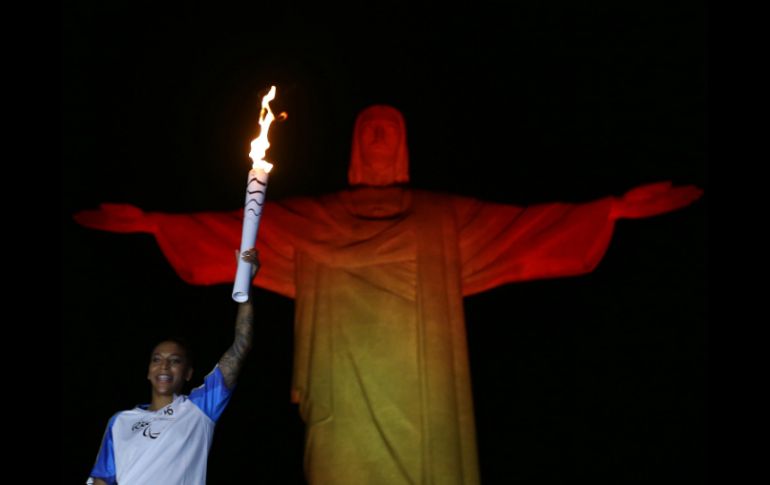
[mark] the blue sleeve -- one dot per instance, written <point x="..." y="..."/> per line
<point x="104" y="467"/>
<point x="213" y="395"/>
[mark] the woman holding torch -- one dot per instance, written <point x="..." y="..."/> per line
<point x="167" y="440"/>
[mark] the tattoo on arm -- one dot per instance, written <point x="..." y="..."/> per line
<point x="232" y="360"/>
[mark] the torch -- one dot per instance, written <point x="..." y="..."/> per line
<point x="256" y="187"/>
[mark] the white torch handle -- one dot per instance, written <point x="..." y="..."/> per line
<point x="252" y="212"/>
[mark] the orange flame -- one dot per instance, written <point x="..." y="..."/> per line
<point x="260" y="144"/>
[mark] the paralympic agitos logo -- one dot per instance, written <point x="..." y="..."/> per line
<point x="145" y="427"/>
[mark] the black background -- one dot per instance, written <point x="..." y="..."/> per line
<point x="600" y="377"/>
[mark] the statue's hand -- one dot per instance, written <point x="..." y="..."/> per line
<point x="116" y="217"/>
<point x="653" y="199"/>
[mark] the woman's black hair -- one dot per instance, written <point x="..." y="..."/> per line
<point x="181" y="342"/>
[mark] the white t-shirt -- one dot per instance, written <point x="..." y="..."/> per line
<point x="169" y="446"/>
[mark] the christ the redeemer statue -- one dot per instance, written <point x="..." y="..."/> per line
<point x="378" y="273"/>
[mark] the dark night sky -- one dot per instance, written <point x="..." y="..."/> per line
<point x="600" y="377"/>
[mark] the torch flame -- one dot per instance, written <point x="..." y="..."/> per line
<point x="260" y="144"/>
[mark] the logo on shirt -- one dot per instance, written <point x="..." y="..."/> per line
<point x="159" y="423"/>
<point x="146" y="429"/>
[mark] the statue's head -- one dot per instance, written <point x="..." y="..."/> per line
<point x="379" y="154"/>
